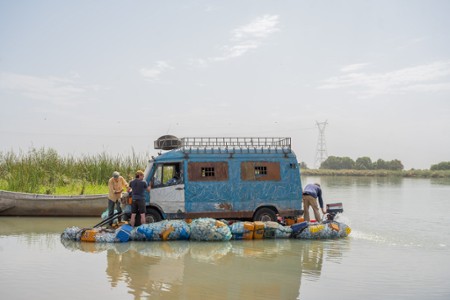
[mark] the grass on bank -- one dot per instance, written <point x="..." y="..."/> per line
<point x="66" y="190"/>
<point x="43" y="171"/>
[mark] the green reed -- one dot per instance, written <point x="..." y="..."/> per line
<point x="44" y="171"/>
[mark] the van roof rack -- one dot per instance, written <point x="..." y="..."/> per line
<point x="236" y="144"/>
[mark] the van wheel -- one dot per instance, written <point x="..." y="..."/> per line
<point x="152" y="216"/>
<point x="265" y="214"/>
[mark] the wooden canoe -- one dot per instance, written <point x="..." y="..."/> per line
<point x="24" y="204"/>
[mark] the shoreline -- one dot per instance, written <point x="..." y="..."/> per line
<point x="377" y="173"/>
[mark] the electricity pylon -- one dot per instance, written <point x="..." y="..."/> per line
<point x="321" y="150"/>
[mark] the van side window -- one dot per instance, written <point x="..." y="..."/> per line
<point x="260" y="171"/>
<point x="208" y="171"/>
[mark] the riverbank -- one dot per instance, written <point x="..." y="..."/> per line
<point x="377" y="173"/>
<point x="44" y="171"/>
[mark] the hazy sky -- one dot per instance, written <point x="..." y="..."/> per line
<point x="85" y="77"/>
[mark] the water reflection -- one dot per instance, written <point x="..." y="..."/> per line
<point x="354" y="181"/>
<point x="42" y="225"/>
<point x="236" y="269"/>
<point x="440" y="181"/>
<point x="312" y="259"/>
<point x="404" y="226"/>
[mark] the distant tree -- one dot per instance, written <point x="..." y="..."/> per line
<point x="445" y="165"/>
<point x="347" y="163"/>
<point x="303" y="165"/>
<point x="337" y="163"/>
<point x="380" y="164"/>
<point x="363" y="163"/>
<point x="331" y="163"/>
<point x="395" y="165"/>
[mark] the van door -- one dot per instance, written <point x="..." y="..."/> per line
<point x="167" y="189"/>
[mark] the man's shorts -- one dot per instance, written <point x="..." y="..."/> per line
<point x="138" y="206"/>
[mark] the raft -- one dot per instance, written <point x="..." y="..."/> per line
<point x="208" y="229"/>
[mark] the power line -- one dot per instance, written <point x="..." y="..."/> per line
<point x="321" y="149"/>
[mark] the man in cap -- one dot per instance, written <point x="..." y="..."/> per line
<point x="116" y="185"/>
<point x="311" y="193"/>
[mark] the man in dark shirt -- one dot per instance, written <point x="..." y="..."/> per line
<point x="310" y="194"/>
<point x="138" y="187"/>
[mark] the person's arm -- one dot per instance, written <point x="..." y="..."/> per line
<point x="125" y="183"/>
<point x="319" y="196"/>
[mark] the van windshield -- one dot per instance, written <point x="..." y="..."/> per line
<point x="167" y="174"/>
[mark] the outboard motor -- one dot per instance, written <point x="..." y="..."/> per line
<point x="333" y="209"/>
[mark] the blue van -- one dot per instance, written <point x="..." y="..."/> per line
<point x="223" y="178"/>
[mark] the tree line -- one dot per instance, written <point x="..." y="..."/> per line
<point x="366" y="163"/>
<point x="361" y="163"/>
<point x="445" y="165"/>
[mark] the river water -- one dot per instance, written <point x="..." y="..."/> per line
<point x="398" y="249"/>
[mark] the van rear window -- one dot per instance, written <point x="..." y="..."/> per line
<point x="208" y="171"/>
<point x="260" y="171"/>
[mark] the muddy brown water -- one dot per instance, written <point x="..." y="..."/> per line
<point x="398" y="249"/>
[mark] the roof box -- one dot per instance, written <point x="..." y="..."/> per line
<point x="167" y="142"/>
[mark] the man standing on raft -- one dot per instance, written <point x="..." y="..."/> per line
<point x="138" y="187"/>
<point x="116" y="184"/>
<point x="310" y="195"/>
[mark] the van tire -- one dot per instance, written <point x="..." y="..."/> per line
<point x="265" y="214"/>
<point x="152" y="216"/>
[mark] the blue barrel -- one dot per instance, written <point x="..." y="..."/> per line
<point x="123" y="233"/>
<point x="298" y="228"/>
